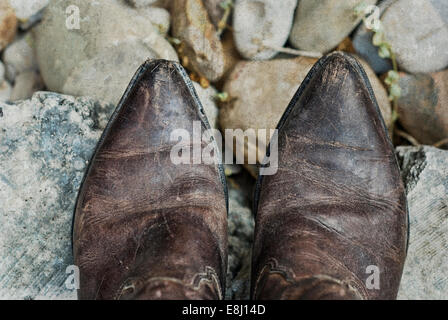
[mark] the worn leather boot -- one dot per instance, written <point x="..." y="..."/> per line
<point x="332" y="223"/>
<point x="144" y="227"/>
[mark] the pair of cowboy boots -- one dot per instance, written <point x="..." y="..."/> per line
<point x="333" y="215"/>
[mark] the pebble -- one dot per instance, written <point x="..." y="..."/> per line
<point x="26" y="84"/>
<point x="28" y="12"/>
<point x="5" y="91"/>
<point x="260" y="24"/>
<point x="207" y="96"/>
<point x="423" y="106"/>
<point x="320" y="25"/>
<point x="201" y="48"/>
<point x="159" y="17"/>
<point x="418" y="33"/>
<point x="100" y="58"/>
<point x="215" y="11"/>
<point x="8" y="24"/>
<point x="20" y="57"/>
<point x="2" y="71"/>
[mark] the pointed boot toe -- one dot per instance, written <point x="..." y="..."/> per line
<point x="332" y="222"/>
<point x="144" y="227"/>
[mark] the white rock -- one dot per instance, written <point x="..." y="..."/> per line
<point x="320" y="25"/>
<point x="240" y="229"/>
<point x="19" y="57"/>
<point x="425" y="173"/>
<point x="101" y="57"/>
<point x="45" y="145"/>
<point x="8" y="24"/>
<point x="25" y="9"/>
<point x="5" y="91"/>
<point x="2" y="72"/>
<point x="26" y="84"/>
<point x="261" y="23"/>
<point x="208" y="100"/>
<point x="418" y="33"/>
<point x="159" y="17"/>
<point x="28" y="11"/>
<point x="107" y="75"/>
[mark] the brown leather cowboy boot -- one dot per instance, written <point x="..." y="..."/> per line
<point x="332" y="222"/>
<point x="144" y="227"/>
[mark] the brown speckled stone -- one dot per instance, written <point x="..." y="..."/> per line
<point x="8" y="24"/>
<point x="423" y="106"/>
<point x="200" y="43"/>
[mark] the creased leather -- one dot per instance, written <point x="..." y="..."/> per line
<point x="337" y="203"/>
<point x="144" y="227"/>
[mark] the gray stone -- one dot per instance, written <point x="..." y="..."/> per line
<point x="159" y="17"/>
<point x="441" y="8"/>
<point x="28" y="12"/>
<point x="418" y="33"/>
<point x="5" y="91"/>
<point x="201" y="47"/>
<point x="19" y="57"/>
<point x="106" y="76"/>
<point x="362" y="42"/>
<point x="45" y="147"/>
<point x="2" y="72"/>
<point x="215" y="11"/>
<point x="258" y="24"/>
<point x="423" y="106"/>
<point x="425" y="174"/>
<point x="101" y="57"/>
<point x="26" y="84"/>
<point x="241" y="228"/>
<point x="208" y="101"/>
<point x="320" y="25"/>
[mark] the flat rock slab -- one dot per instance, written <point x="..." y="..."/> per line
<point x="45" y="145"/>
<point x="425" y="173"/>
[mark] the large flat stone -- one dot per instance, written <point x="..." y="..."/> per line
<point x="425" y="173"/>
<point x="45" y="145"/>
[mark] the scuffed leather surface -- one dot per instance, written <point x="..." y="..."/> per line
<point x="145" y="228"/>
<point x="337" y="203"/>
